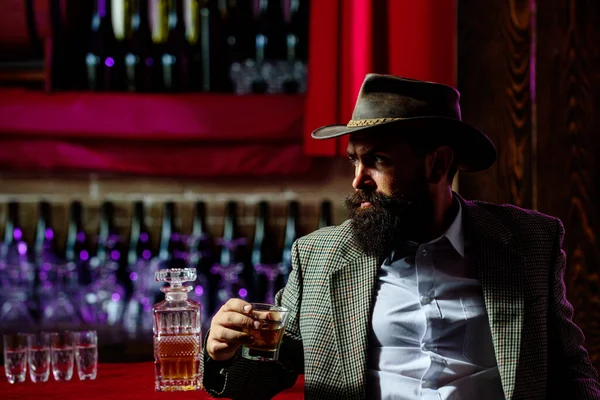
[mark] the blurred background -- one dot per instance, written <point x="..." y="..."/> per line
<point x="140" y="134"/>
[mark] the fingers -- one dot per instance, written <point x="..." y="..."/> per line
<point x="233" y="320"/>
<point x="273" y="316"/>
<point x="230" y="316"/>
<point x="230" y="336"/>
<point x="237" y="305"/>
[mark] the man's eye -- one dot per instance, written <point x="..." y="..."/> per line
<point x="379" y="159"/>
<point x="353" y="160"/>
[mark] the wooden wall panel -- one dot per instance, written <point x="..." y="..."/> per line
<point x="568" y="105"/>
<point x="535" y="90"/>
<point x="494" y="80"/>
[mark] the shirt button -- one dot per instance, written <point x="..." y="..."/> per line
<point x="425" y="299"/>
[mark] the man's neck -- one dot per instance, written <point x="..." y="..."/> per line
<point x="437" y="220"/>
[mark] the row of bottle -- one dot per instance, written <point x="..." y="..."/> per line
<point x="110" y="281"/>
<point x="240" y="46"/>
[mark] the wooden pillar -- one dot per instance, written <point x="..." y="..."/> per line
<point x="529" y="74"/>
<point x="493" y="75"/>
<point x="568" y="126"/>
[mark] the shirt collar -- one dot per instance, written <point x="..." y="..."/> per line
<point x="455" y="234"/>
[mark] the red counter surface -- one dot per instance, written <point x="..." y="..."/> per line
<point x="114" y="381"/>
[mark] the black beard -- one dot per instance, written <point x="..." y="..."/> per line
<point x="381" y="226"/>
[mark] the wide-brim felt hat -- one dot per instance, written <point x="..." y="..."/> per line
<point x="417" y="111"/>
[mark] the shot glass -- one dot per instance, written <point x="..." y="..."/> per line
<point x="268" y="331"/>
<point x="86" y="354"/>
<point x="38" y="353"/>
<point x="15" y="357"/>
<point x="61" y="349"/>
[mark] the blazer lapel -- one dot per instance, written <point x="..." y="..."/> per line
<point x="500" y="270"/>
<point x="352" y="284"/>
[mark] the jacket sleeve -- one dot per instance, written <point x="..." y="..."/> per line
<point x="240" y="378"/>
<point x="571" y="373"/>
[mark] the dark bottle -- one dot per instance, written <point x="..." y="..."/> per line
<point x="291" y="234"/>
<point x="232" y="243"/>
<point x="140" y="58"/>
<point x="44" y="247"/>
<point x="297" y="46"/>
<point x="56" y="52"/>
<point x="18" y="277"/>
<point x="194" y="39"/>
<point x="272" y="31"/>
<point x="139" y="238"/>
<point x="76" y="245"/>
<point x="271" y="49"/>
<point x="214" y="47"/>
<point x="109" y="252"/>
<point x="241" y="31"/>
<point x="18" y="271"/>
<point x="107" y="271"/>
<point x="201" y="245"/>
<point x="205" y="36"/>
<point x="199" y="226"/>
<point x="159" y="30"/>
<point x="45" y="254"/>
<point x="241" y="37"/>
<point x="168" y="235"/>
<point x="104" y="60"/>
<point x="14" y="244"/>
<point x="122" y="29"/>
<point x="200" y="256"/>
<point x="174" y="58"/>
<point x="266" y="268"/>
<point x="101" y="40"/>
<point x="297" y="37"/>
<point x="52" y="278"/>
<point x="325" y="215"/>
<point x="77" y="249"/>
<point x="232" y="268"/>
<point x="137" y="321"/>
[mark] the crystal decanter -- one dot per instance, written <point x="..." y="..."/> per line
<point x="177" y="333"/>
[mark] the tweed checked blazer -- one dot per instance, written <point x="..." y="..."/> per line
<point x="330" y="294"/>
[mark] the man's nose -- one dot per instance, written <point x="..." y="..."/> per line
<point x="362" y="179"/>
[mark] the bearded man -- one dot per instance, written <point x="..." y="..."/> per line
<point x="420" y="294"/>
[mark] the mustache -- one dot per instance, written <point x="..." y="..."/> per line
<point x="377" y="200"/>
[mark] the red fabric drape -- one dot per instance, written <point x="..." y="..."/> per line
<point x="350" y="38"/>
<point x="422" y="39"/>
<point x="321" y="105"/>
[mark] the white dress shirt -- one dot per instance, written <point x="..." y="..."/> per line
<point x="430" y="336"/>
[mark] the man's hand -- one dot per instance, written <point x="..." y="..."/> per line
<point x="226" y="329"/>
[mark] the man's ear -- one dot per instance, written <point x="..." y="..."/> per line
<point x="438" y="163"/>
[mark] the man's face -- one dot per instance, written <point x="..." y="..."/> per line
<point x="384" y="165"/>
<point x="391" y="191"/>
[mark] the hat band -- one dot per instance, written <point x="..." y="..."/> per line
<point x="368" y="122"/>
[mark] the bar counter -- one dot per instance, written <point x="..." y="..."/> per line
<point x="114" y="381"/>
